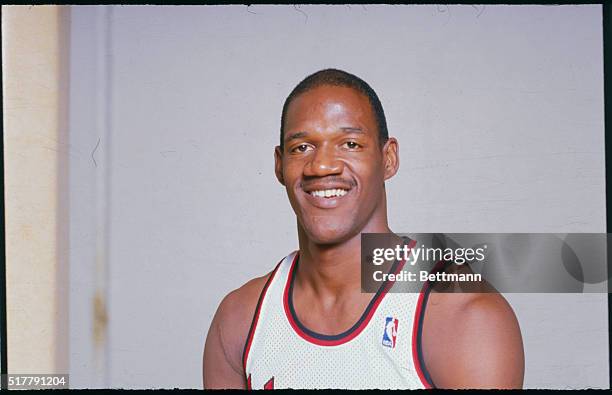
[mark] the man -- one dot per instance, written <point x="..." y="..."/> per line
<point x="307" y="324"/>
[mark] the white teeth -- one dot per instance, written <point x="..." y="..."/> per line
<point x="329" y="193"/>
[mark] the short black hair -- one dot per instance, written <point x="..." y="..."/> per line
<point x="337" y="77"/>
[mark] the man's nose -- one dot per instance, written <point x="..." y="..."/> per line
<point x="324" y="162"/>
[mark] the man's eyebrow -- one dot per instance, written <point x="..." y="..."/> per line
<point x="351" y="129"/>
<point x="296" y="135"/>
<point x="300" y="134"/>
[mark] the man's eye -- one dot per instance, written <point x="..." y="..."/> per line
<point x="301" y="148"/>
<point x="352" y="145"/>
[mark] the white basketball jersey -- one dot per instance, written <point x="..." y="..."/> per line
<point x="382" y="350"/>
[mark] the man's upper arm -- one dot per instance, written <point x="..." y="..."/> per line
<point x="221" y="365"/>
<point x="478" y="345"/>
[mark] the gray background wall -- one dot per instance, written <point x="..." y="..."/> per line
<point x="174" y="115"/>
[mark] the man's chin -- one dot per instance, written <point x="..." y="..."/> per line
<point x="329" y="236"/>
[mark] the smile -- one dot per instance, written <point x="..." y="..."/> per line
<point x="327" y="198"/>
<point x="329" y="193"/>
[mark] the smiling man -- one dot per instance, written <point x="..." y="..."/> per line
<point x="306" y="324"/>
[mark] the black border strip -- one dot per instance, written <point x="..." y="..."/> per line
<point x="607" y="61"/>
<point x="310" y="2"/>
<point x="359" y="322"/>
<point x="3" y="306"/>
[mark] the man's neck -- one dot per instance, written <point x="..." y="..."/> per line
<point x="332" y="270"/>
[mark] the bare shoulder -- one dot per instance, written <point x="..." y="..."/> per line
<point x="242" y="300"/>
<point x="472" y="340"/>
<point x="235" y="313"/>
<point x="222" y="364"/>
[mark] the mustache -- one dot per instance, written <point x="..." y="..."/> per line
<point x="307" y="181"/>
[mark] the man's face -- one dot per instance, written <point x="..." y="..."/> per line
<point x="332" y="164"/>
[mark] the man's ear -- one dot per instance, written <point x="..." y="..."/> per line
<point x="391" y="157"/>
<point x="278" y="164"/>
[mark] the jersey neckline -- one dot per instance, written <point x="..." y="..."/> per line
<point x="351" y="333"/>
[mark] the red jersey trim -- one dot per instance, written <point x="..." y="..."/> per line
<point x="416" y="338"/>
<point x="247" y="345"/>
<point x="419" y="314"/>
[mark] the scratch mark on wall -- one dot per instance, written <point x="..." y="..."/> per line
<point x="94" y="151"/>
<point x="479" y="10"/>
<point x="297" y="8"/>
<point x="165" y="154"/>
<point x="446" y="10"/>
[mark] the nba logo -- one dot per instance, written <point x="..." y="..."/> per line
<point x="390" y="333"/>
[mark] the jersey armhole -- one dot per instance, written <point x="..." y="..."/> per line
<point x="249" y="339"/>
<point x="417" y="335"/>
<point x="417" y="331"/>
